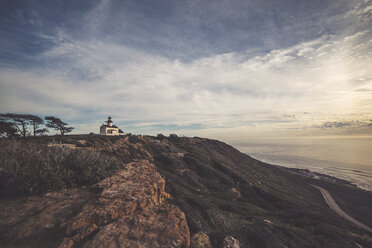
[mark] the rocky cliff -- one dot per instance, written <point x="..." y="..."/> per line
<point x="144" y="191"/>
<point x="128" y="209"/>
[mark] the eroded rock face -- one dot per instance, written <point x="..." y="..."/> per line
<point x="162" y="226"/>
<point x="128" y="209"/>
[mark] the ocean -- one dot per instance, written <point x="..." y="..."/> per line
<point x="348" y="158"/>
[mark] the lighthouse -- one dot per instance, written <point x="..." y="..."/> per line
<point x="109" y="128"/>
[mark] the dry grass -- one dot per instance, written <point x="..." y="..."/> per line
<point x="27" y="167"/>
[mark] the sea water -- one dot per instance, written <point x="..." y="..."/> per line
<point x="348" y="158"/>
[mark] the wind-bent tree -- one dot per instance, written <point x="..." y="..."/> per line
<point x="57" y="124"/>
<point x="41" y="131"/>
<point x="19" y="121"/>
<point x="7" y="130"/>
<point x="35" y="121"/>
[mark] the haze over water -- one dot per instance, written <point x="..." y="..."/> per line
<point x="347" y="158"/>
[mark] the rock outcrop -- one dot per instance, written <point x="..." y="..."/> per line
<point x="200" y="240"/>
<point x="128" y="209"/>
<point x="230" y="242"/>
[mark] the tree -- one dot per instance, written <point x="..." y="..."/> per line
<point x="57" y="124"/>
<point x="42" y="131"/>
<point x="7" y="130"/>
<point x="35" y="121"/>
<point x="19" y="122"/>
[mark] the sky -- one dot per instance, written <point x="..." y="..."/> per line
<point x="220" y="69"/>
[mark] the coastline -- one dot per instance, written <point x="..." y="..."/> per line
<point x="319" y="176"/>
<point x="321" y="173"/>
<point x="346" y="158"/>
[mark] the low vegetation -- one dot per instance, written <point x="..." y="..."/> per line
<point x="28" y="167"/>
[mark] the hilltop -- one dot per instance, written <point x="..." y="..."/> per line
<point x="164" y="191"/>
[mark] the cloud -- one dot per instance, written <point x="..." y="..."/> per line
<point x="232" y="89"/>
<point x="85" y="77"/>
<point x="369" y="124"/>
<point x="338" y="124"/>
<point x="350" y="124"/>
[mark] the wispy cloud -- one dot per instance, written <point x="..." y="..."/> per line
<point x="339" y="124"/>
<point x="109" y="78"/>
<point x="289" y="87"/>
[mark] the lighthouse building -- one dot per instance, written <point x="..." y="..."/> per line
<point x="109" y="128"/>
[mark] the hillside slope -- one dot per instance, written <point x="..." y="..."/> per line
<point x="221" y="191"/>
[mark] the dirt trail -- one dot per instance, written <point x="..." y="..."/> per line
<point x="333" y="205"/>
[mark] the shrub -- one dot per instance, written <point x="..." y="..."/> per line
<point x="173" y="136"/>
<point x="160" y="136"/>
<point x="134" y="139"/>
<point x="34" y="168"/>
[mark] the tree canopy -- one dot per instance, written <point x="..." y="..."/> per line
<point x="57" y="124"/>
<point x="15" y="125"/>
<point x="21" y="123"/>
<point x="7" y="130"/>
<point x="35" y="121"/>
<point x="18" y="121"/>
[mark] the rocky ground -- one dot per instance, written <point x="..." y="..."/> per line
<point x="128" y="209"/>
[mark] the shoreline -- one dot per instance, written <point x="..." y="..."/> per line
<point x="308" y="172"/>
<point x="325" y="177"/>
<point x="343" y="158"/>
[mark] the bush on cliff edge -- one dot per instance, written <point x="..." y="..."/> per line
<point x="27" y="167"/>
